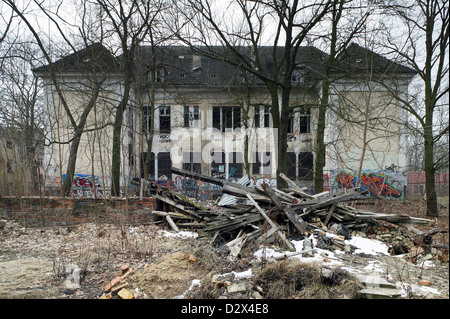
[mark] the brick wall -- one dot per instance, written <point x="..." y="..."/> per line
<point x="55" y="211"/>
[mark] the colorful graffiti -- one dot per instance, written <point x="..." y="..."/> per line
<point x="377" y="184"/>
<point x="258" y="181"/>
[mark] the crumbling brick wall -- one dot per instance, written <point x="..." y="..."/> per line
<point x="55" y="211"/>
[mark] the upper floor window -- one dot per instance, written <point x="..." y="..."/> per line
<point x="262" y="116"/>
<point x="300" y="120"/>
<point x="191" y="116"/>
<point x="226" y="117"/>
<point x="164" y="119"/>
<point x="305" y="120"/>
<point x="9" y="144"/>
<point x="146" y="119"/>
<point x="298" y="76"/>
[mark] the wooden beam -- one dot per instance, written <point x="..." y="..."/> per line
<point x="327" y="219"/>
<point x="271" y="223"/>
<point x="298" y="222"/>
<point x="294" y="187"/>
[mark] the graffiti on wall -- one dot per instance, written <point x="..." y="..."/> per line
<point x="376" y="183"/>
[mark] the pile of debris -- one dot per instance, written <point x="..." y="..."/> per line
<point x="264" y="214"/>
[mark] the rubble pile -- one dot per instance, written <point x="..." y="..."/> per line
<point x="265" y="214"/>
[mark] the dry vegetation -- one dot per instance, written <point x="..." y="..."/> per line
<point x="34" y="263"/>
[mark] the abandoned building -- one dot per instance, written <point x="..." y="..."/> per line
<point x="209" y="116"/>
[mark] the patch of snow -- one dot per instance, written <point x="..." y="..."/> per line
<point x="243" y="274"/>
<point x="195" y="283"/>
<point x="181" y="234"/>
<point x="368" y="246"/>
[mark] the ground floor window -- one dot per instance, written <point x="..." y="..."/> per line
<point x="192" y="161"/>
<point x="262" y="163"/>
<point x="305" y="165"/>
<point x="164" y="166"/>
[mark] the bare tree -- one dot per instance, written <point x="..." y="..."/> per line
<point x="292" y="22"/>
<point x="130" y="22"/>
<point x="424" y="47"/>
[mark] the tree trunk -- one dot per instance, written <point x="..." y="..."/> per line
<point x="429" y="167"/>
<point x="319" y="160"/>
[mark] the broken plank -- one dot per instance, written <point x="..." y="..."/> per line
<point x="294" y="187"/>
<point x="271" y="223"/>
<point x="327" y="219"/>
<point x="199" y="177"/>
<point x="176" y="205"/>
<point x="334" y="200"/>
<point x="172" y="224"/>
<point x="298" y="222"/>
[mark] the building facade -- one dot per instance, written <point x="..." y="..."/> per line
<point x="210" y="117"/>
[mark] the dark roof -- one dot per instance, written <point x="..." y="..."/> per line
<point x="182" y="65"/>
<point x="94" y="57"/>
<point x="355" y="59"/>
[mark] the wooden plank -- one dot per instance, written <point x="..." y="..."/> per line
<point x="176" y="205"/>
<point x="298" y="222"/>
<point x="334" y="200"/>
<point x="261" y="239"/>
<point x="327" y="219"/>
<point x="172" y="224"/>
<point x="271" y="223"/>
<point x="294" y="187"/>
<point x="199" y="177"/>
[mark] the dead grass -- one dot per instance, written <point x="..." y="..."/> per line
<point x="293" y="279"/>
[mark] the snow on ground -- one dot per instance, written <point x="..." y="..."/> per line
<point x="180" y="234"/>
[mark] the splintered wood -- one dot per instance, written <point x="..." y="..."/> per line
<point x="264" y="214"/>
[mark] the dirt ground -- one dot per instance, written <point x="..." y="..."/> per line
<point x="37" y="262"/>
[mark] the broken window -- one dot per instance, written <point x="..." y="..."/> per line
<point x="130" y="155"/>
<point x="218" y="164"/>
<point x="305" y="165"/>
<point x="236" y="165"/>
<point x="192" y="162"/>
<point x="9" y="167"/>
<point x="302" y="116"/>
<point x="164" y="119"/>
<point x="262" y="163"/>
<point x="151" y="166"/>
<point x="164" y="166"/>
<point x="291" y="171"/>
<point x="262" y="116"/>
<point x="298" y="76"/>
<point x="191" y="116"/>
<point x="160" y="74"/>
<point x="226" y="117"/>
<point x="146" y="119"/>
<point x="305" y="120"/>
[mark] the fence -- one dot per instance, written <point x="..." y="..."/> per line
<point x="416" y="184"/>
